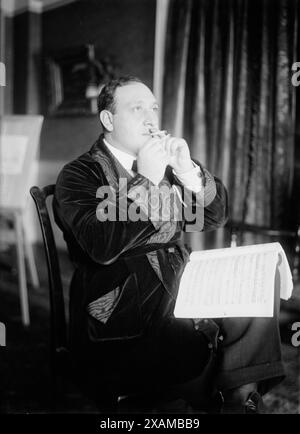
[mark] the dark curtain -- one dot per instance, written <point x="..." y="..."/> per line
<point x="228" y="91"/>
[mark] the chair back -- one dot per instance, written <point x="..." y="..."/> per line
<point x="57" y="305"/>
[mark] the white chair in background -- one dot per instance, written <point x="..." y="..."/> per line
<point x="19" y="150"/>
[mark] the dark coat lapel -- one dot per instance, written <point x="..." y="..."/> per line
<point x="111" y="167"/>
<point x="113" y="171"/>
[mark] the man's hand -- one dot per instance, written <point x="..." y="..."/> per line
<point x="179" y="154"/>
<point x="152" y="160"/>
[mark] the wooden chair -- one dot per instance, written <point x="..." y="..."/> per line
<point x="61" y="365"/>
<point x="59" y="354"/>
<point x="60" y="359"/>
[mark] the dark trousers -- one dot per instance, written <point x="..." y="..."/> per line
<point x="191" y="361"/>
<point x="250" y="350"/>
<point x="243" y="350"/>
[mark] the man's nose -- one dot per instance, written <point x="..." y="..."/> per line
<point x="150" y="119"/>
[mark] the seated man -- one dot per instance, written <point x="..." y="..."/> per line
<point x="129" y="258"/>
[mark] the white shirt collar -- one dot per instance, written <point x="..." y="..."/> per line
<point x="125" y="159"/>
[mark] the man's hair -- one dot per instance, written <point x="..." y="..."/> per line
<point x="106" y="98"/>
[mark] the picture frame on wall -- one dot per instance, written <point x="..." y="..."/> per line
<point x="74" y="78"/>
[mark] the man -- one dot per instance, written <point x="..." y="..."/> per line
<point x="129" y="259"/>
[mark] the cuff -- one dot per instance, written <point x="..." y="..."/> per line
<point x="191" y="179"/>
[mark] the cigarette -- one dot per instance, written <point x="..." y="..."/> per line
<point x="156" y="132"/>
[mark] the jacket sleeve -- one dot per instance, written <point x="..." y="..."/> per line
<point x="88" y="207"/>
<point x="208" y="209"/>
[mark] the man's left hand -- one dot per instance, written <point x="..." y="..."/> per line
<point x="179" y="154"/>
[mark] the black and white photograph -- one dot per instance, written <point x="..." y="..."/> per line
<point x="149" y="210"/>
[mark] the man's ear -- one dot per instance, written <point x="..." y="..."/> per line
<point x="107" y="120"/>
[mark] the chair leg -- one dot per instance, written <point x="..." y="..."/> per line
<point x="21" y="269"/>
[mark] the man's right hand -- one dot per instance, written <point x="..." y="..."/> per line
<point x="152" y="160"/>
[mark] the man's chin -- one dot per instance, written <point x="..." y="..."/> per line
<point x="143" y="141"/>
<point x="138" y="145"/>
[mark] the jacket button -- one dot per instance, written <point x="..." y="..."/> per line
<point x="210" y="346"/>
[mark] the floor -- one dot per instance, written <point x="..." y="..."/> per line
<point x="24" y="361"/>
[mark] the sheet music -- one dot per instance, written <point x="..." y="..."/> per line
<point x="233" y="282"/>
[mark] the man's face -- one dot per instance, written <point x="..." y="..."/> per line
<point x="136" y="111"/>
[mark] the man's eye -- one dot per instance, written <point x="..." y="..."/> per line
<point x="155" y="108"/>
<point x="137" y="108"/>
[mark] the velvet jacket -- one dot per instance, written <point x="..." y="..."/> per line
<point x="127" y="272"/>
